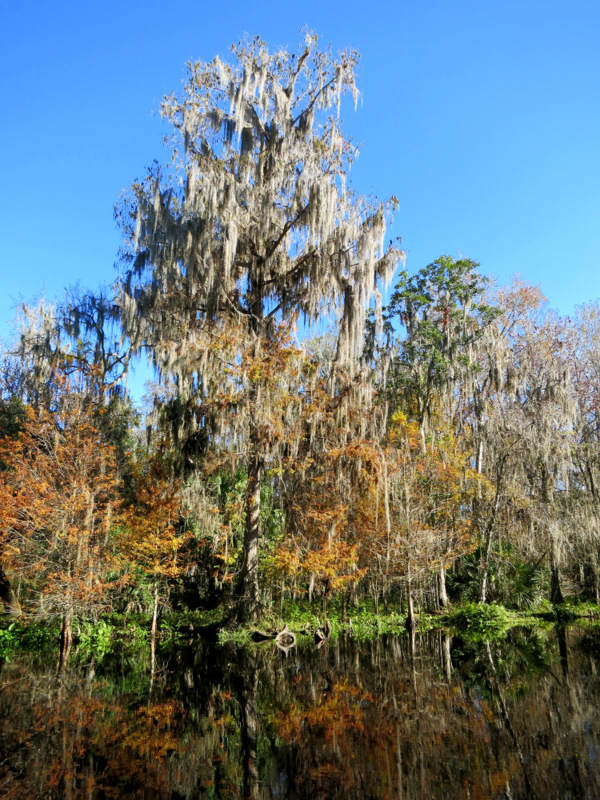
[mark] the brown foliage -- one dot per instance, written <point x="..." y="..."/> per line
<point x="58" y="496"/>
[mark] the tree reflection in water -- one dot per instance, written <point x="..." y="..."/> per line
<point x="433" y="717"/>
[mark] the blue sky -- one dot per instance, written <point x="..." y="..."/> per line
<point x="481" y="117"/>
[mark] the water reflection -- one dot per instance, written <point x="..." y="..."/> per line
<point x="425" y="716"/>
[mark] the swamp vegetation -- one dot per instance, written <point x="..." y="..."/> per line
<point x="371" y="467"/>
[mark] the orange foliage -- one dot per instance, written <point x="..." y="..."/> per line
<point x="58" y="496"/>
<point x="411" y="511"/>
<point x="151" y="537"/>
<point x="430" y="494"/>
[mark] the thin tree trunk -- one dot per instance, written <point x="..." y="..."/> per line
<point x="411" y="622"/>
<point x="443" y="594"/>
<point x="488" y="540"/>
<point x="485" y="567"/>
<point x="563" y="651"/>
<point x="153" y="635"/>
<point x="66" y="639"/>
<point x="447" y="655"/>
<point x="311" y="587"/>
<point x="388" y="519"/>
<point x="556" y="595"/>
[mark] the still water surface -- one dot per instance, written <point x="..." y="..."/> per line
<point x="440" y="717"/>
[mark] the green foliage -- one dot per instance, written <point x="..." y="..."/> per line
<point x="443" y="314"/>
<point x="525" y="589"/>
<point x="518" y="653"/>
<point x="513" y="582"/>
<point x="362" y="623"/>
<point x="40" y="637"/>
<point x="272" y="518"/>
<point x="368" y="625"/>
<point x="482" y="621"/>
<point x="95" y="639"/>
<point x="301" y="616"/>
<point x="132" y="639"/>
<point x="9" y="641"/>
<point x="236" y="637"/>
<point x="12" y="417"/>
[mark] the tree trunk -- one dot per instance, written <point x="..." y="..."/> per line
<point x="556" y="595"/>
<point x="485" y="568"/>
<point x="447" y="655"/>
<point x="247" y="692"/>
<point x="247" y="584"/>
<point x="488" y="538"/>
<point x="153" y="635"/>
<point x="9" y="603"/>
<point x="443" y="594"/>
<point x="563" y="651"/>
<point x="411" y="622"/>
<point x="311" y="587"/>
<point x="66" y="639"/>
<point x="5" y="593"/>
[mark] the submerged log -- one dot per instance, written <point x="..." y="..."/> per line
<point x="283" y="638"/>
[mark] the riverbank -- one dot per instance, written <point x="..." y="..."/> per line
<point x="115" y="631"/>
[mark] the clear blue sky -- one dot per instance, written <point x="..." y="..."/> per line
<point x="481" y="116"/>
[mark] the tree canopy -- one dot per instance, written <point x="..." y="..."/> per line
<point x="254" y="225"/>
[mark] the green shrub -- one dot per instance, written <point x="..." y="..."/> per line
<point x="9" y="641"/>
<point x="512" y="582"/>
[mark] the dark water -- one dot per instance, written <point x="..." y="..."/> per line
<point x="440" y="718"/>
